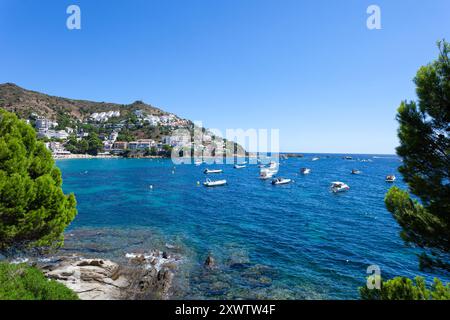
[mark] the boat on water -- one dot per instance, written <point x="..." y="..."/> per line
<point x="391" y="178"/>
<point x="355" y="171"/>
<point x="208" y="171"/>
<point x="347" y="158"/>
<point x="216" y="183"/>
<point x="198" y="162"/>
<point x="305" y="171"/>
<point x="239" y="166"/>
<point x="267" y="173"/>
<point x="339" y="187"/>
<point x="315" y="159"/>
<point x="280" y="181"/>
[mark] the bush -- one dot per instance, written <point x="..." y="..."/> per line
<point x="401" y="288"/>
<point x="22" y="282"/>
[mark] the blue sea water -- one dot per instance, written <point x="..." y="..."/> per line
<point x="297" y="241"/>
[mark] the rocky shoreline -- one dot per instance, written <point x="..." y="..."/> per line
<point x="145" y="276"/>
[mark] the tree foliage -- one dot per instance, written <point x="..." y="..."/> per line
<point x="424" y="147"/>
<point x="88" y="145"/>
<point x="401" y="288"/>
<point x="33" y="208"/>
<point x="21" y="282"/>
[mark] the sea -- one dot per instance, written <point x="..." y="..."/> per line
<point x="294" y="241"/>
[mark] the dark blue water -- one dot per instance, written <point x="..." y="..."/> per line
<point x="297" y="241"/>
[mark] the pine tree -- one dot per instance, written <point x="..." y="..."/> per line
<point x="424" y="148"/>
<point x="34" y="211"/>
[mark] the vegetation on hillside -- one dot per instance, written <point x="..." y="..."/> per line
<point x="34" y="210"/>
<point x="22" y="282"/>
<point x="25" y="102"/>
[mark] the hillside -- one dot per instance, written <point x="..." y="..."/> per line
<point x="25" y="102"/>
<point x="69" y="120"/>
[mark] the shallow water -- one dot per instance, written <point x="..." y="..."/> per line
<point x="297" y="241"/>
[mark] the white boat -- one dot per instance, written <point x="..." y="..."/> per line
<point x="355" y="171"/>
<point x="239" y="166"/>
<point x="339" y="187"/>
<point x="208" y="171"/>
<point x="315" y="159"/>
<point x="305" y="171"/>
<point x="217" y="183"/>
<point x="279" y="181"/>
<point x="198" y="162"/>
<point x="391" y="178"/>
<point x="267" y="173"/>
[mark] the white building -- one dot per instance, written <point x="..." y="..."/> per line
<point x="44" y="123"/>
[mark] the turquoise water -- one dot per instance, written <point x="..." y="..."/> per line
<point x="297" y="241"/>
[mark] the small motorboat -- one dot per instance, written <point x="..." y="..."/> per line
<point x="279" y="181"/>
<point x="267" y="173"/>
<point x="315" y="159"/>
<point x="347" y="158"/>
<point x="305" y="171"/>
<point x="339" y="187"/>
<point x="391" y="178"/>
<point x="355" y="171"/>
<point x="217" y="183"/>
<point x="239" y="166"/>
<point x="208" y="171"/>
<point x="198" y="162"/>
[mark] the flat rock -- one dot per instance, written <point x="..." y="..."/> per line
<point x="91" y="279"/>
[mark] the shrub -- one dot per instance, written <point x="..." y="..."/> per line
<point x="22" y="282"/>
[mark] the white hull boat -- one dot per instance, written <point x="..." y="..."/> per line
<point x="207" y="171"/>
<point x="305" y="171"/>
<point x="281" y="181"/>
<point x="391" y="179"/>
<point x="239" y="166"/>
<point x="217" y="183"/>
<point x="338" y="186"/>
<point x="198" y="162"/>
<point x="267" y="173"/>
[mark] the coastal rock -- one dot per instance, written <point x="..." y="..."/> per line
<point x="210" y="262"/>
<point x="91" y="279"/>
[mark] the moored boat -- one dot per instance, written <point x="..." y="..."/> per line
<point x="339" y="187"/>
<point x="208" y="171"/>
<point x="267" y="173"/>
<point x="217" y="183"/>
<point x="355" y="171"/>
<point x="239" y="166"/>
<point x="280" y="181"/>
<point x="391" y="178"/>
<point x="305" y="170"/>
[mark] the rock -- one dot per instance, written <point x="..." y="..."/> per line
<point x="91" y="279"/>
<point x="209" y="262"/>
<point x="139" y="259"/>
<point x="155" y="284"/>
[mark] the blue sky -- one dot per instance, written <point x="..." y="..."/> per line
<point x="309" y="68"/>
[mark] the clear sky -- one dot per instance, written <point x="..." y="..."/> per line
<point x="309" y="68"/>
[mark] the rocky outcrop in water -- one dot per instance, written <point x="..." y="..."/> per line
<point x="210" y="262"/>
